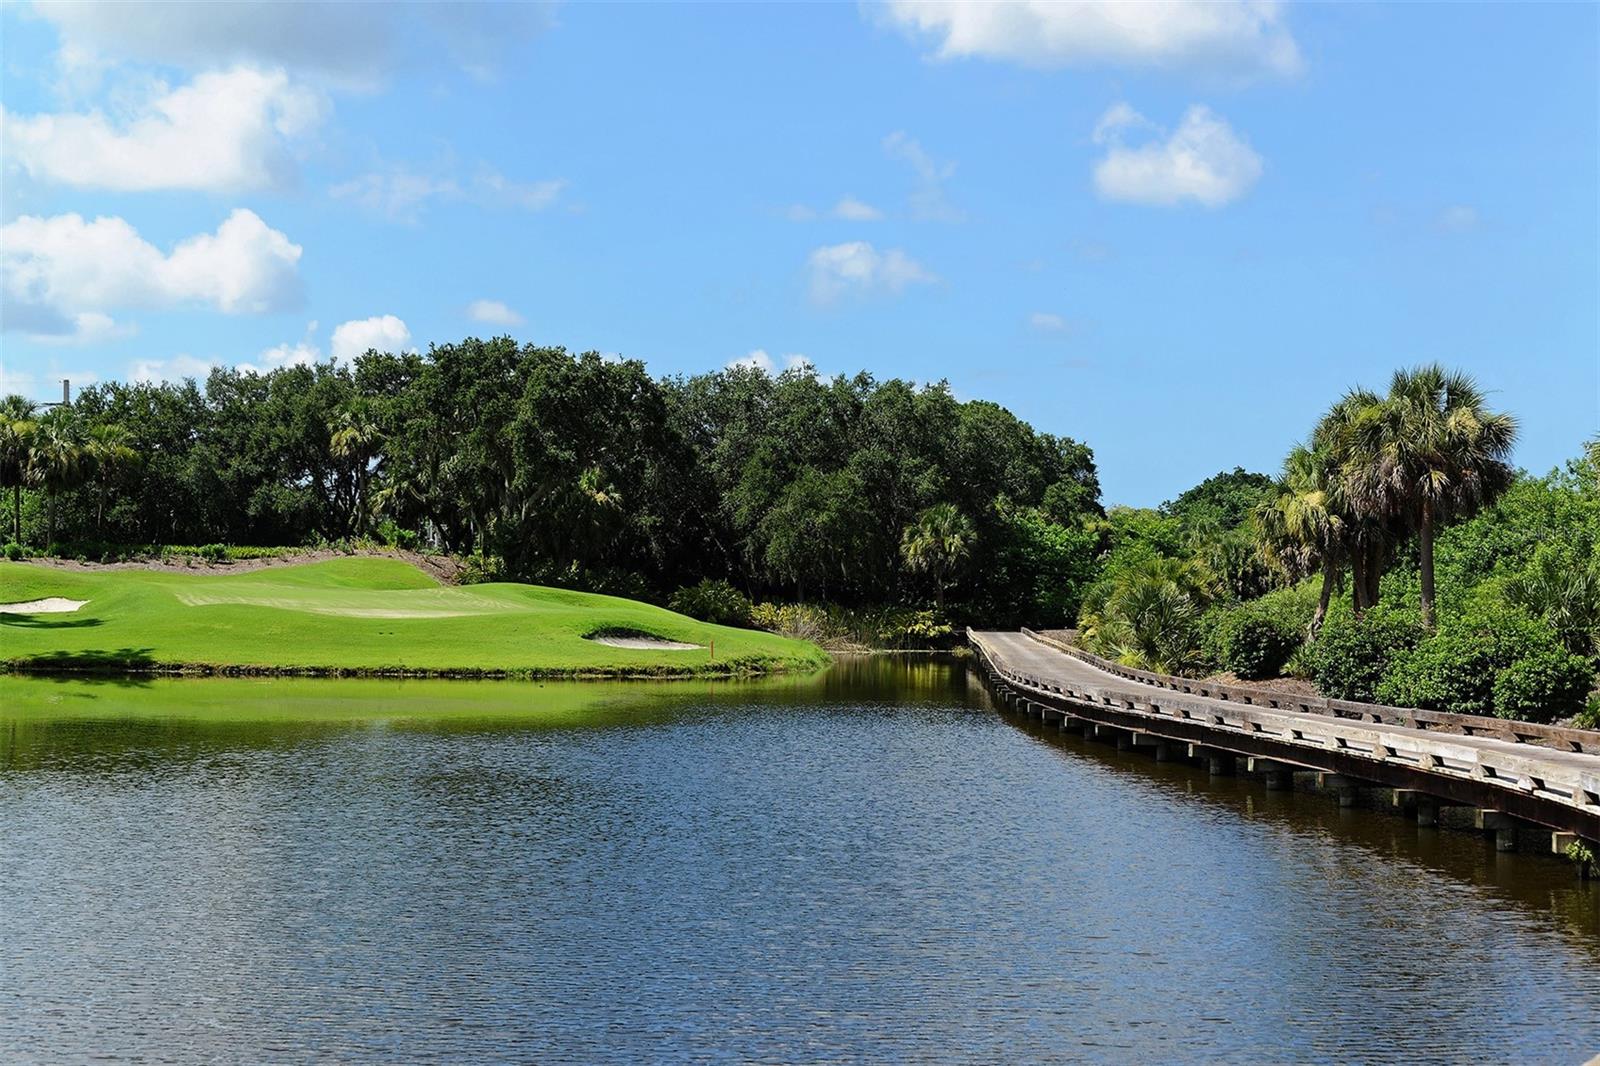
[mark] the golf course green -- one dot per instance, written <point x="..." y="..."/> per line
<point x="358" y="615"/>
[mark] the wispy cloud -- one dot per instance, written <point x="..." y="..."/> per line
<point x="401" y="193"/>
<point x="1457" y="218"/>
<point x="858" y="267"/>
<point x="848" y="209"/>
<point x="928" y="200"/>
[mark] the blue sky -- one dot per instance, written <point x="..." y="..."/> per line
<point x="1175" y="232"/>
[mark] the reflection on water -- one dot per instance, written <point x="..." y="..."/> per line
<point x="864" y="863"/>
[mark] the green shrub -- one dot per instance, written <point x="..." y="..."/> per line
<point x="914" y="629"/>
<point x="394" y="536"/>
<point x="798" y="620"/>
<point x="14" y="551"/>
<point x="1299" y="664"/>
<point x="712" y="601"/>
<point x="855" y="628"/>
<point x="1350" y="656"/>
<point x="1460" y="668"/>
<point x="1589" y="717"/>
<point x="1252" y="645"/>
<point x="213" y="553"/>
<point x="1543" y="687"/>
<point x="478" y="569"/>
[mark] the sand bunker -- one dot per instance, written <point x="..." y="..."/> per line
<point x="641" y="642"/>
<point x="48" y="605"/>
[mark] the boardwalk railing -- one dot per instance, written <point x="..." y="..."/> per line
<point x="1555" y="788"/>
<point x="1560" y="738"/>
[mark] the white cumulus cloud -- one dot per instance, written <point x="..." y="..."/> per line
<point x="856" y="266"/>
<point x="63" y="274"/>
<point x="385" y="333"/>
<point x="225" y="131"/>
<point x="758" y="359"/>
<point x="1203" y="161"/>
<point x="493" y="312"/>
<point x="1226" y="39"/>
<point x="303" y="353"/>
<point x="1045" y="322"/>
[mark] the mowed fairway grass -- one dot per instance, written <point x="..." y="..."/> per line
<point x="357" y="615"/>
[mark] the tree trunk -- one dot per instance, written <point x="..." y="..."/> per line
<point x="50" y="522"/>
<point x="16" y="513"/>
<point x="1328" y="574"/>
<point x="1374" y="574"/>
<point x="1426" y="545"/>
<point x="1358" y="581"/>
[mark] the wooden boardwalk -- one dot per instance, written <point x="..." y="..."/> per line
<point x="1510" y="783"/>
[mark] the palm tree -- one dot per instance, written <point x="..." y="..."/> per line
<point x="936" y="543"/>
<point x="1148" y="618"/>
<point x="57" y="460"/>
<point x="356" y="438"/>
<point x="1428" y="452"/>
<point x="16" y="431"/>
<point x="1564" y="593"/>
<point x="108" y="451"/>
<point x="1305" y="527"/>
<point x="1370" y="533"/>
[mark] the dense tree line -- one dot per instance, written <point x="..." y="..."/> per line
<point x="580" y="471"/>
<point x="1397" y="557"/>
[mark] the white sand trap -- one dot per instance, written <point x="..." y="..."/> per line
<point x="48" y="605"/>
<point x="645" y="643"/>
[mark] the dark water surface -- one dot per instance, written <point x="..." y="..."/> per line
<point x="871" y="864"/>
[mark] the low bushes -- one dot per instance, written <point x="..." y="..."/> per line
<point x="1253" y="645"/>
<point x="712" y="601"/>
<point x="844" y="628"/>
<point x="1256" y="640"/>
<point x="1499" y="662"/>
<point x="801" y="621"/>
<point x="1544" y="686"/>
<point x="1350" y="657"/>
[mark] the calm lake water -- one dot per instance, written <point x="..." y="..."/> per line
<point x="870" y="864"/>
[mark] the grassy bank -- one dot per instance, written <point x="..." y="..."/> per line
<point x="361" y="616"/>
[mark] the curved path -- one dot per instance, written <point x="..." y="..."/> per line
<point x="1509" y="784"/>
